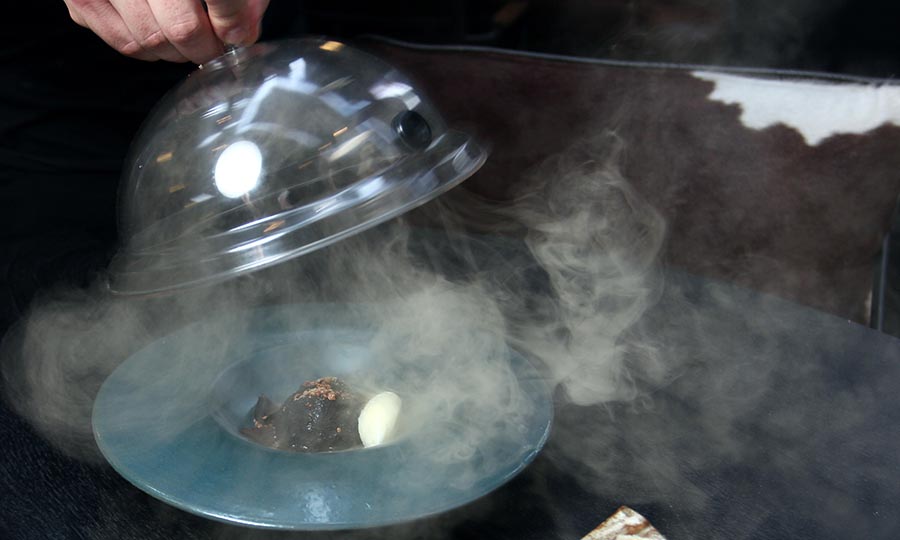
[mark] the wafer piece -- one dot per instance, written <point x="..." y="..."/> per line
<point x="625" y="524"/>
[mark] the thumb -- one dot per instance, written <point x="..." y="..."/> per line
<point x="236" y="22"/>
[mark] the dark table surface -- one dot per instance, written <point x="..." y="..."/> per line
<point x="779" y="422"/>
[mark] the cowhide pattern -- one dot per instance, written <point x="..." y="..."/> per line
<point x="784" y="186"/>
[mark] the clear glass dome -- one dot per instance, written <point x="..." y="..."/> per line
<point x="271" y="152"/>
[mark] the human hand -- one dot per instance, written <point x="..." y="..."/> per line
<point x="173" y="30"/>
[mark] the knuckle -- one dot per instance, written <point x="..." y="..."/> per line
<point x="131" y="48"/>
<point x="185" y="31"/>
<point x="76" y="18"/>
<point x="154" y="40"/>
<point x="74" y="7"/>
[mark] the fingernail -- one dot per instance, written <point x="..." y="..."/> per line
<point x="235" y="36"/>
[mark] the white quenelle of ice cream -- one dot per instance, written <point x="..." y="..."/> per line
<point x="378" y="418"/>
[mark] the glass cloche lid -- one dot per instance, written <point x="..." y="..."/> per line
<point x="274" y="151"/>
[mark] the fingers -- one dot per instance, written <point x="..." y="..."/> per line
<point x="236" y="22"/>
<point x="187" y="27"/>
<point x="146" y="30"/>
<point x="174" y="30"/>
<point x="103" y="19"/>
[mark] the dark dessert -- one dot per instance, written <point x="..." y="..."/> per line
<point x="321" y="416"/>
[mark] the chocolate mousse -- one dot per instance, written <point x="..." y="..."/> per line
<point x="321" y="416"/>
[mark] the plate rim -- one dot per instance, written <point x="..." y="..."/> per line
<point x="205" y="511"/>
